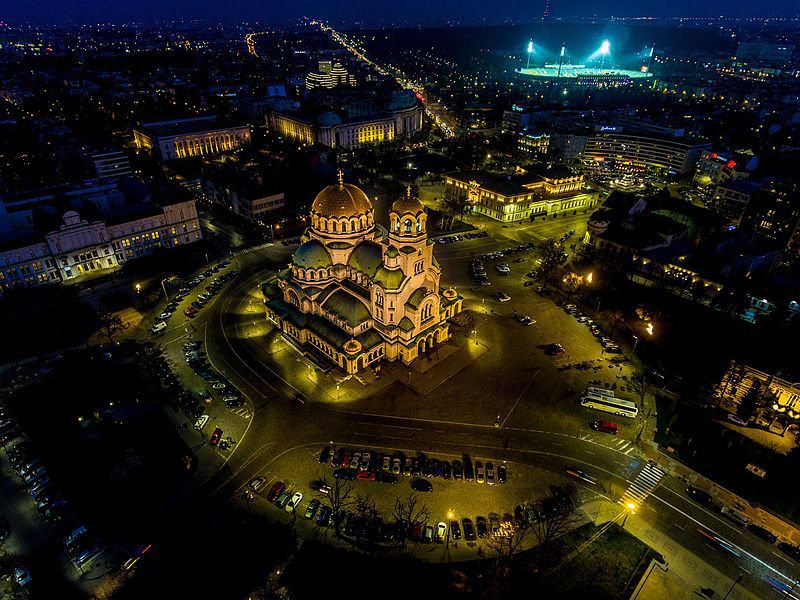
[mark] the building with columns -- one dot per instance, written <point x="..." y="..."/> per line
<point x="67" y="235"/>
<point x="356" y="293"/>
<point x="190" y="137"/>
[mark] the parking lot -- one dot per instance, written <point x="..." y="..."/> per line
<point x="475" y="496"/>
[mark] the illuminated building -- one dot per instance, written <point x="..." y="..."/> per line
<point x="533" y="143"/>
<point x="66" y="234"/>
<point x="400" y="117"/>
<point x="330" y="76"/>
<point x="732" y="197"/>
<point x="190" y="137"/>
<point x="540" y="192"/>
<point x="623" y="151"/>
<point x="356" y="293"/>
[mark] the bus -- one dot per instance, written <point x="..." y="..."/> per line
<point x="599" y="392"/>
<point x="617" y="406"/>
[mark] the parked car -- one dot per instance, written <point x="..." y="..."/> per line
<point x="469" y="530"/>
<point x="458" y="470"/>
<point x="283" y="499"/>
<point x="257" y="483"/>
<point x="735" y="419"/>
<point x="501" y="473"/>
<point x="489" y="473"/>
<point x="762" y="532"/>
<point x="479" y="472"/>
<point x="421" y="485"/>
<point x="396" y="466"/>
<point x="441" y="532"/>
<point x="215" y="437"/>
<point x="345" y="473"/>
<point x="481" y="525"/>
<point x="323" y="516"/>
<point x="427" y="534"/>
<point x="311" y="509"/>
<point x="293" y="503"/>
<point x="325" y="455"/>
<point x="605" y="426"/>
<point x="699" y="495"/>
<point x="275" y="491"/>
<point x="455" y="530"/>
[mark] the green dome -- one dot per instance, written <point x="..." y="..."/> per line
<point x="311" y="255"/>
<point x="366" y="257"/>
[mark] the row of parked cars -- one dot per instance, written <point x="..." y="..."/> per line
<point x="450" y="239"/>
<point x="381" y="464"/>
<point x="498" y="254"/>
<point x="741" y="519"/>
<point x="608" y="344"/>
<point x="214" y="286"/>
<point x="49" y="501"/>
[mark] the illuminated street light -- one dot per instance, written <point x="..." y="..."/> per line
<point x="649" y="328"/>
<point x="631" y="510"/>
<point x="138" y="287"/>
<point x="530" y="51"/>
<point x="589" y="277"/>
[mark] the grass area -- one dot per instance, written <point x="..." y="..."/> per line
<point x="609" y="567"/>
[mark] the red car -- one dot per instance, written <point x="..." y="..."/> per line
<point x="215" y="437"/>
<point x="276" y="490"/>
<point x="190" y="312"/>
<point x="366" y="476"/>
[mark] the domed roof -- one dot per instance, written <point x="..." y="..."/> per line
<point x="311" y="255"/>
<point x="408" y="204"/>
<point x="341" y="200"/>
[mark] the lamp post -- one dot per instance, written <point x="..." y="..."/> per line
<point x="138" y="288"/>
<point x="164" y="287"/>
<point x="635" y="341"/>
<point x="474" y="333"/>
<point x="630" y="510"/>
<point x="450" y="517"/>
<point x="733" y="585"/>
<point x="338" y="393"/>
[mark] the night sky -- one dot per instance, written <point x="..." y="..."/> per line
<point x="413" y="11"/>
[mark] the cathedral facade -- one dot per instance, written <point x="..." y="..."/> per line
<point x="356" y="293"/>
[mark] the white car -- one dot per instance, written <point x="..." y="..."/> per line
<point x="364" y="462"/>
<point x="396" y="466"/>
<point x="735" y="419"/>
<point x="441" y="531"/>
<point x="387" y="462"/>
<point x="257" y="483"/>
<point x="355" y="460"/>
<point x="297" y="497"/>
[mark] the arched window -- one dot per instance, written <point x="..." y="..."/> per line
<point x="407" y="226"/>
<point x="333" y="226"/>
<point x="419" y="226"/>
<point x="344" y="226"/>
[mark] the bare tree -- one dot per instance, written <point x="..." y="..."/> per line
<point x="640" y="384"/>
<point x="410" y="510"/>
<point x="339" y="498"/>
<point x="365" y="507"/>
<point x="110" y="324"/>
<point x="550" y="253"/>
<point x="556" y="515"/>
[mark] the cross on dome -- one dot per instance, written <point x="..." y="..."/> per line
<point x="340" y="176"/>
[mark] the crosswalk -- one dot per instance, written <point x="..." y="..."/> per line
<point x="624" y="446"/>
<point x="242" y="412"/>
<point x="641" y="487"/>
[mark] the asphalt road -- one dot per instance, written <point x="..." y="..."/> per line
<point x="278" y="428"/>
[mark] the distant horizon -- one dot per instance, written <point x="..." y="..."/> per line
<point x="352" y="13"/>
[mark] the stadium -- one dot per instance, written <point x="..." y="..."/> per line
<point x="583" y="74"/>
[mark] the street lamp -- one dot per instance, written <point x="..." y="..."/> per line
<point x="649" y="328"/>
<point x="589" y="278"/>
<point x="338" y="395"/>
<point x="630" y="510"/>
<point x="138" y="287"/>
<point x="635" y="341"/>
<point x="164" y="287"/>
<point x="450" y="517"/>
<point x="474" y="333"/>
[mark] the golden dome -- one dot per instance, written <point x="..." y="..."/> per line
<point x="341" y="200"/>
<point x="408" y="204"/>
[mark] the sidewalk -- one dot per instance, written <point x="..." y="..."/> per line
<point x="686" y="571"/>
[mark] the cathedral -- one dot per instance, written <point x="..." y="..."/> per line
<point x="356" y="293"/>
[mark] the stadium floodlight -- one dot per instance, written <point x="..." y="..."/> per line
<point x="563" y="50"/>
<point x="530" y="51"/>
<point x="605" y="47"/>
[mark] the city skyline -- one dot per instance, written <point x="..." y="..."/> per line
<point x="50" y="12"/>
